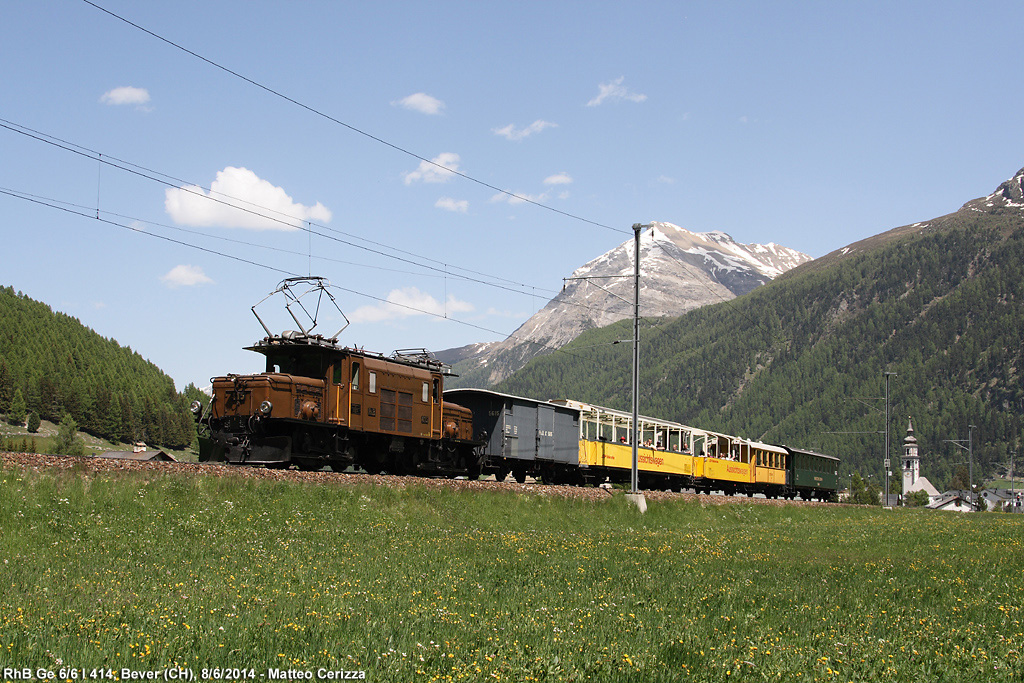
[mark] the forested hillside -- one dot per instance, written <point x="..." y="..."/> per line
<point x="51" y="364"/>
<point x="802" y="358"/>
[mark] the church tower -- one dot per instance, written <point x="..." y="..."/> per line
<point x="911" y="460"/>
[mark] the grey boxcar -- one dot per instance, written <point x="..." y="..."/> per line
<point x="523" y="436"/>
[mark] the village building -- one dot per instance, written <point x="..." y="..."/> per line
<point x="1001" y="500"/>
<point x="912" y="479"/>
<point x="139" y="456"/>
<point x="954" y="501"/>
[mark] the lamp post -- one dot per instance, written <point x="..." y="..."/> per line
<point x="885" y="461"/>
<point x="1011" y="481"/>
<point x="634" y="484"/>
<point x="970" y="459"/>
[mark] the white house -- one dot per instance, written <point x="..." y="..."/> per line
<point x="954" y="501"/>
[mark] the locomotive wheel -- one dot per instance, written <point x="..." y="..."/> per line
<point x="520" y="476"/>
<point x="500" y="475"/>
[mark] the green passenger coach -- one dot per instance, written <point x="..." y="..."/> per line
<point x="810" y="470"/>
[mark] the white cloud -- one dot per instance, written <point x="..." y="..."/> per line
<point x="614" y="90"/>
<point x="421" y="102"/>
<point x="126" y="95"/>
<point x="510" y="132"/>
<point x="558" y="179"/>
<point x="433" y="171"/>
<point x="405" y="302"/>
<point x="240" y="187"/>
<point x="449" y="204"/>
<point x="665" y="180"/>
<point x="185" y="276"/>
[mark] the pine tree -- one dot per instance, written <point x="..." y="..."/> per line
<point x="33" y="423"/>
<point x="68" y="442"/>
<point x="6" y="386"/>
<point x="16" y="415"/>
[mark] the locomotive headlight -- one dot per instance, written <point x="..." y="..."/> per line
<point x="196" y="407"/>
<point x="265" y="408"/>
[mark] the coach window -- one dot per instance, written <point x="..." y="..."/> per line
<point x="355" y="377"/>
<point x="373" y="382"/>
<point x="437" y="389"/>
<point x="337" y="372"/>
<point x="426" y="392"/>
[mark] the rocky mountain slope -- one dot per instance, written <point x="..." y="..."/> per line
<point x="680" y="271"/>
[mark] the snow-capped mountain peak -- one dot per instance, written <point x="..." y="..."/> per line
<point x="679" y="270"/>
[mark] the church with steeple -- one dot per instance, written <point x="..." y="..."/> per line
<point x="912" y="479"/>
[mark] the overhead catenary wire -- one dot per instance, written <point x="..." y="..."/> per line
<point x="83" y="212"/>
<point x="97" y="217"/>
<point x="206" y="235"/>
<point x="186" y="185"/>
<point x="324" y="115"/>
<point x="352" y="128"/>
<point x="86" y="212"/>
<point x="443" y="270"/>
<point x="290" y="222"/>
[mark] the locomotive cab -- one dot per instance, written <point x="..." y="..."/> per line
<point x="270" y="418"/>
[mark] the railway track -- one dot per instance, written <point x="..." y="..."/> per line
<point x="95" y="465"/>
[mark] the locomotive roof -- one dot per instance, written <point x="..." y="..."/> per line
<point x="316" y="343"/>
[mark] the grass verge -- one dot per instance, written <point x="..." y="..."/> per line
<point x="129" y="570"/>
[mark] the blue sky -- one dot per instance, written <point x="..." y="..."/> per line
<point x="808" y="124"/>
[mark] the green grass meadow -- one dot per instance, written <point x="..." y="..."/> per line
<point x="146" y="571"/>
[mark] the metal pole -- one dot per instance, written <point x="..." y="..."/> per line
<point x="1011" y="481"/>
<point x="635" y="477"/>
<point x="970" y="462"/>
<point x="885" y="460"/>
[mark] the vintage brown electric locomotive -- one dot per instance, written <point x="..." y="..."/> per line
<point x="318" y="403"/>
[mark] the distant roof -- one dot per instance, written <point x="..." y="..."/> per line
<point x="141" y="457"/>
<point x="950" y="499"/>
<point x="922" y="484"/>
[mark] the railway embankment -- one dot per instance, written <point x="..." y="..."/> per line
<point x="93" y="465"/>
